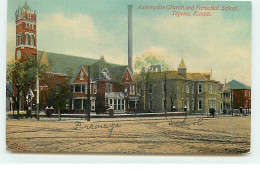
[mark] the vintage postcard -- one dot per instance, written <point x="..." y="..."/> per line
<point x="134" y="77"/>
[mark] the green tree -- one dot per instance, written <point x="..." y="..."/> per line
<point x="58" y="93"/>
<point x="150" y="59"/>
<point x="22" y="74"/>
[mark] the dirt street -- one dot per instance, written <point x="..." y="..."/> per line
<point x="221" y="135"/>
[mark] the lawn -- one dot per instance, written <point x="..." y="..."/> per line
<point x="221" y="135"/>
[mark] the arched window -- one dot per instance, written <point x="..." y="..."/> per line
<point x="81" y="75"/>
<point x="20" y="41"/>
<point x="32" y="40"/>
<point x="27" y="39"/>
<point x="20" y="15"/>
<point x="17" y="40"/>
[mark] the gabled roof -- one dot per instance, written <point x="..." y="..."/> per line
<point x="118" y="72"/>
<point x="97" y="68"/>
<point x="64" y="63"/>
<point x="182" y="65"/>
<point x="234" y="84"/>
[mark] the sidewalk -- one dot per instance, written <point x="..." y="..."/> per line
<point x="95" y="119"/>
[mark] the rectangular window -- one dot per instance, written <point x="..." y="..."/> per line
<point x="115" y="104"/>
<point x="199" y="88"/>
<point x="214" y="88"/>
<point x="77" y="104"/>
<point x="83" y="88"/>
<point x="123" y="104"/>
<point x="163" y="87"/>
<point x="77" y="88"/>
<point x="150" y="88"/>
<point x="209" y="104"/>
<point x="192" y="88"/>
<point x="192" y="104"/>
<point x="182" y="102"/>
<point x="109" y="88"/>
<point x="200" y="104"/>
<point x="95" y="88"/>
<point x="111" y="102"/>
<point x="208" y="88"/>
<point x="118" y="104"/>
<point x="245" y="93"/>
<point x="133" y="89"/>
<point x="182" y="87"/>
<point x="151" y="103"/>
<point x="187" y="87"/>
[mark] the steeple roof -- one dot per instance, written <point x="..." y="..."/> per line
<point x="44" y="58"/>
<point x="182" y="65"/>
<point x="26" y="6"/>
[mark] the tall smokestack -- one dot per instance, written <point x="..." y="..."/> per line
<point x="130" y="36"/>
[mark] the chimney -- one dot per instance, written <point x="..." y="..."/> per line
<point x="130" y="36"/>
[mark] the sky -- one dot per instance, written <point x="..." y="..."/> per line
<point x="221" y="42"/>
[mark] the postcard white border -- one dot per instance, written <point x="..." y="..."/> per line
<point x="253" y="157"/>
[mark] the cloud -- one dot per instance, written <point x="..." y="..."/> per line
<point x="74" y="35"/>
<point x="75" y="27"/>
<point x="10" y="41"/>
<point x="205" y="43"/>
<point x="77" y="35"/>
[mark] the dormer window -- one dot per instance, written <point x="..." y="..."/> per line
<point x="106" y="73"/>
<point x="127" y="76"/>
<point x="81" y="75"/>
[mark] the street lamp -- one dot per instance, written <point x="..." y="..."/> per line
<point x="125" y="96"/>
<point x="185" y="109"/>
<point x="174" y="108"/>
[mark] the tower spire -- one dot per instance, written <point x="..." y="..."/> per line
<point x="182" y="68"/>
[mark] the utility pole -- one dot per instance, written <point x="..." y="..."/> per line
<point x="165" y="84"/>
<point x="88" y="96"/>
<point x="231" y="101"/>
<point x="38" y="94"/>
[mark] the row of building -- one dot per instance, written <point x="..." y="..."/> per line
<point x="116" y="86"/>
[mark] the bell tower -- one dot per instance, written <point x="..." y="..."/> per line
<point x="26" y="42"/>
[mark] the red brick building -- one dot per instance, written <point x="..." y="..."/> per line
<point x="110" y="86"/>
<point x="26" y="45"/>
<point x="241" y="94"/>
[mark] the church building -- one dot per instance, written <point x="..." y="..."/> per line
<point x="111" y="85"/>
